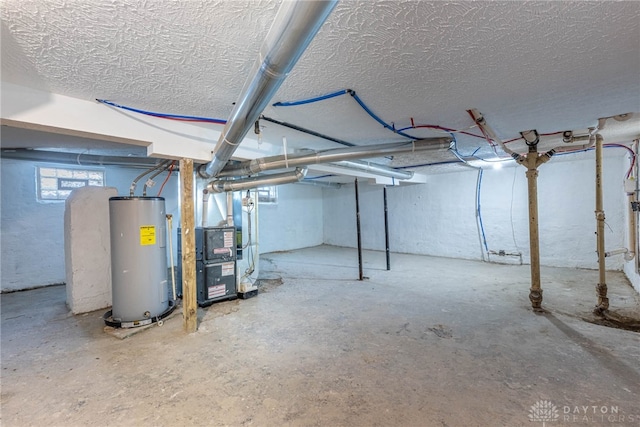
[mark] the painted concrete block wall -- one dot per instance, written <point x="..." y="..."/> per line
<point x="630" y="272"/>
<point x="32" y="232"/>
<point x="631" y="268"/>
<point x="32" y="242"/>
<point x="292" y="223"/>
<point x="439" y="218"/>
<point x="87" y="249"/>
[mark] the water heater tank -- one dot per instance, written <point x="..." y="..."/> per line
<point x="138" y="258"/>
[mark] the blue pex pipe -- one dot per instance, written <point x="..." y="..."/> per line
<point x="311" y="100"/>
<point x="163" y="115"/>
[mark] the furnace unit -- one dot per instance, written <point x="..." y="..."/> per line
<point x="215" y="264"/>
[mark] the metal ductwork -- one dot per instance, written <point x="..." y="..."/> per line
<point x="373" y="168"/>
<point x="295" y="26"/>
<point x="252" y="167"/>
<point x="221" y="185"/>
<point x="324" y="184"/>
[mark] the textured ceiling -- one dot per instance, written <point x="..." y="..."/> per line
<point x="548" y="66"/>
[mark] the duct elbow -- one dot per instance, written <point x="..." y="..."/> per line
<point x="202" y="171"/>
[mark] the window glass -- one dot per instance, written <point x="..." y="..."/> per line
<point x="57" y="183"/>
<point x="268" y="194"/>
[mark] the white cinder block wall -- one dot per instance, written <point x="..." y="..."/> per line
<point x="32" y="232"/>
<point x="294" y="222"/>
<point x="438" y="218"/>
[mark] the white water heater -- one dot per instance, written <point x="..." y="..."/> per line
<point x="139" y="276"/>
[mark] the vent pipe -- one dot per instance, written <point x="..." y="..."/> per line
<point x="252" y="167"/>
<point x="221" y="185"/>
<point x="295" y="26"/>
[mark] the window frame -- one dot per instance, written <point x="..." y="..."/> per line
<point x="271" y="197"/>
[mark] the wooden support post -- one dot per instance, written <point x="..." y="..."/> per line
<point x="187" y="215"/>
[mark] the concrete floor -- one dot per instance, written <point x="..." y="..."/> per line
<point x="434" y="342"/>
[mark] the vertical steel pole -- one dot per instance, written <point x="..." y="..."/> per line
<point x="361" y="275"/>
<point x="386" y="228"/>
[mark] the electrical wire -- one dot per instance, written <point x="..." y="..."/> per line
<point x="442" y="128"/>
<point x="632" y="154"/>
<point x="164" y="115"/>
<point x="149" y="182"/>
<point x="167" y="178"/>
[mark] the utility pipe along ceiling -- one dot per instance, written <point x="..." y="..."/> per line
<point x="376" y="72"/>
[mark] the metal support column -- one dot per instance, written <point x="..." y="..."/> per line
<point x="361" y="275"/>
<point x="386" y="228"/>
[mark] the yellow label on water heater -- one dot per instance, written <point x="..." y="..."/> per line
<point x="147" y="235"/>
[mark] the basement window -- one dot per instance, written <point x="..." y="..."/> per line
<point x="55" y="184"/>
<point x="268" y="194"/>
